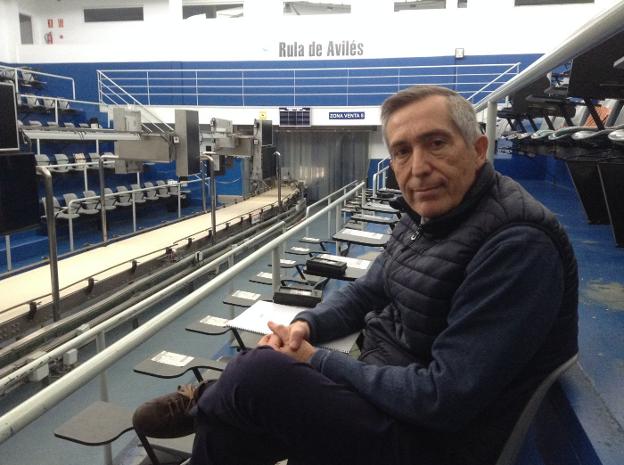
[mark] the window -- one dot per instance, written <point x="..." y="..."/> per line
<point x="26" y="32"/>
<point x="549" y="2"/>
<point x="315" y="8"/>
<point x="96" y="15"/>
<point x="420" y="5"/>
<point x="227" y="10"/>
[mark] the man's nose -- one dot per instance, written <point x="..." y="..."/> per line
<point x="419" y="162"/>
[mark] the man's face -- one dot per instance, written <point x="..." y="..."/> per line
<point x="433" y="165"/>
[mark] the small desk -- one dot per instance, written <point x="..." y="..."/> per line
<point x="113" y="421"/>
<point x="314" y="240"/>
<point x="375" y="219"/>
<point x="244" y="298"/>
<point x="381" y="208"/>
<point x="370" y="239"/>
<point x="171" y="365"/>
<point x="356" y="268"/>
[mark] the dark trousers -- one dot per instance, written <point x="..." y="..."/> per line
<point x="267" y="407"/>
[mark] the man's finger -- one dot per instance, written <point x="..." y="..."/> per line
<point x="279" y="330"/>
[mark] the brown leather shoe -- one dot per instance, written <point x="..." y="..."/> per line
<point x="167" y="416"/>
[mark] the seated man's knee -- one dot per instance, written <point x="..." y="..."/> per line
<point x="254" y="369"/>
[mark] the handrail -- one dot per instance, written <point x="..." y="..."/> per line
<point x="366" y="82"/>
<point x="591" y="33"/>
<point x="136" y="102"/>
<point x="326" y="198"/>
<point x="32" y="408"/>
<point x="376" y="179"/>
<point x="40" y="73"/>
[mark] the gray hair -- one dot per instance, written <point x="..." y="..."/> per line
<point x="460" y="110"/>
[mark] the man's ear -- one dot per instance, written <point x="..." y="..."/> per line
<point x="481" y="146"/>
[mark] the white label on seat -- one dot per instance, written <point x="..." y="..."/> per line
<point x="313" y="239"/>
<point x="171" y="358"/>
<point x="214" y="321"/>
<point x="287" y="262"/>
<point x="350" y="261"/>
<point x="264" y="274"/>
<point x="300" y="249"/>
<point x="246" y="295"/>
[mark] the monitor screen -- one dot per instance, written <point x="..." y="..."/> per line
<point x="267" y="132"/>
<point x="268" y="162"/>
<point x="19" y="202"/>
<point x="593" y="74"/>
<point x="9" y="140"/>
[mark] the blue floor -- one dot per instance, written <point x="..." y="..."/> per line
<point x="601" y="320"/>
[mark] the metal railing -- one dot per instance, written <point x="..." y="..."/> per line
<point x="589" y="35"/>
<point x="27" y="77"/>
<point x="327" y="199"/>
<point x="116" y="95"/>
<point x="293" y="86"/>
<point x="380" y="173"/>
<point x="35" y="406"/>
<point x="58" y="105"/>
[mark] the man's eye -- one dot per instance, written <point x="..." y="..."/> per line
<point x="437" y="144"/>
<point x="401" y="152"/>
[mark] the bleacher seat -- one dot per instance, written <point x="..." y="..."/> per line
<point x="49" y="103"/>
<point x="137" y="197"/>
<point x="124" y="198"/>
<point x="516" y="439"/>
<point x="82" y="160"/>
<point x="90" y="207"/>
<point x="77" y="208"/>
<point x="59" y="212"/>
<point x="61" y="163"/>
<point x="94" y="158"/>
<point x="42" y="159"/>
<point x="150" y="194"/>
<point x="32" y="101"/>
<point x="109" y="200"/>
<point x="163" y="189"/>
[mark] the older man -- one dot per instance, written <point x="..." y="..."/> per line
<point x="472" y="303"/>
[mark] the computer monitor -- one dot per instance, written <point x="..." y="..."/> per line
<point x="19" y="201"/>
<point x="268" y="161"/>
<point x="9" y="138"/>
<point x="267" y="132"/>
<point x="593" y="75"/>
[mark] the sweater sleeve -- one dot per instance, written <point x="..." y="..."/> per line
<point x="343" y="311"/>
<point x="499" y="317"/>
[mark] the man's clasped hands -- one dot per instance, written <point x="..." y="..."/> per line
<point x="291" y="340"/>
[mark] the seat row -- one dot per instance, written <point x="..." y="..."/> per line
<point x="53" y="125"/>
<point x="62" y="163"/>
<point x="38" y="103"/>
<point x="90" y="204"/>
<point x="594" y="125"/>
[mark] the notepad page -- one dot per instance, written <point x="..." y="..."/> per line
<point x="255" y="318"/>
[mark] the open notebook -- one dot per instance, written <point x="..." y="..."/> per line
<point x="256" y="317"/>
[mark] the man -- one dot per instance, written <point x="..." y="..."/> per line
<point x="472" y="303"/>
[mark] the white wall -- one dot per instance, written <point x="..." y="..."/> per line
<point x="485" y="27"/>
<point x="479" y="29"/>
<point x="9" y="30"/>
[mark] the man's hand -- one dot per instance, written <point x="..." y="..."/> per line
<point x="290" y="340"/>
